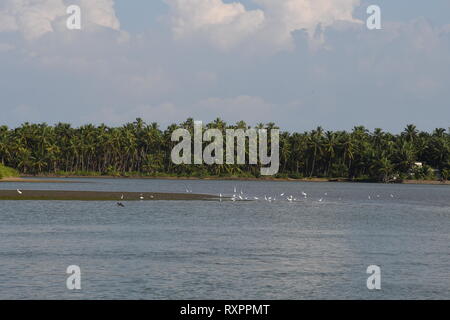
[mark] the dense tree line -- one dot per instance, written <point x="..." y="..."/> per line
<point x="144" y="149"/>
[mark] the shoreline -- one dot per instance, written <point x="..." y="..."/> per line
<point x="47" y="179"/>
<point x="38" y="180"/>
<point x="56" y="195"/>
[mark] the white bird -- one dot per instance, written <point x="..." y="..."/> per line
<point x="369" y="197"/>
<point x="304" y="194"/>
<point x="121" y="198"/>
<point x="392" y="195"/>
<point x="320" y="200"/>
<point x="19" y="192"/>
<point x="282" y="194"/>
<point x="235" y="189"/>
<point x="265" y="198"/>
<point x="240" y="197"/>
<point x="256" y="198"/>
<point x="141" y="197"/>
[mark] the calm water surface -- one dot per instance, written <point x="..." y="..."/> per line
<point x="309" y="249"/>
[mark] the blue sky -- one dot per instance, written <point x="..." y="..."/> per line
<point x="298" y="63"/>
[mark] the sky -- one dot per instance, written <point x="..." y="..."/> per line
<point x="298" y="63"/>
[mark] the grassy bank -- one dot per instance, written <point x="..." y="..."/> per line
<point x="6" y="172"/>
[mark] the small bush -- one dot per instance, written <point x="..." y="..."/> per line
<point x="445" y="174"/>
<point x="423" y="173"/>
<point x="6" y="172"/>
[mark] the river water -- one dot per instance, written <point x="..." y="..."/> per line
<point x="318" y="247"/>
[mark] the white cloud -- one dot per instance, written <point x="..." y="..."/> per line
<point x="31" y="17"/>
<point x="35" y="18"/>
<point x="308" y="14"/>
<point x="288" y="16"/>
<point x="100" y="12"/>
<point x="223" y="24"/>
<point x="228" y="24"/>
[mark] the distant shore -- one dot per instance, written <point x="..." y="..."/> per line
<point x="99" y="196"/>
<point x="48" y="179"/>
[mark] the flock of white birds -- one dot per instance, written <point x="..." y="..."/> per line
<point x="241" y="196"/>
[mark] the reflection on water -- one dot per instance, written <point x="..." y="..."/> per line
<point x="229" y="250"/>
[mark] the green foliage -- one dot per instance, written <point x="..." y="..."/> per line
<point x="445" y="174"/>
<point x="144" y="149"/>
<point x="423" y="173"/>
<point x="6" y="172"/>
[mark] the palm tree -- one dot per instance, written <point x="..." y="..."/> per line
<point x="316" y="144"/>
<point x="330" y="146"/>
<point x="410" y="133"/>
<point x="384" y="169"/>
